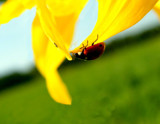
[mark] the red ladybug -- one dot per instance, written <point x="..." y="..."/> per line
<point x="91" y="52"/>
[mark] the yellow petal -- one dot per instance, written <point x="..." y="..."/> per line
<point x="57" y="89"/>
<point x="13" y="8"/>
<point x="157" y="8"/>
<point x="67" y="12"/>
<point x="54" y="57"/>
<point x="10" y="10"/>
<point x="49" y="26"/>
<point x="59" y="29"/>
<point x="65" y="26"/>
<point x="115" y="16"/>
<point x="48" y="58"/>
<point x="65" y="7"/>
<point x="28" y="4"/>
<point x="58" y="20"/>
<point x="39" y="45"/>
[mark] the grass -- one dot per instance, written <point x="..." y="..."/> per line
<point x="122" y="87"/>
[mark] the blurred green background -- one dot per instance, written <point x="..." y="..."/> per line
<point x="121" y="87"/>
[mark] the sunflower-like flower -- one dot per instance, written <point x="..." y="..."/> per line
<point x="53" y="28"/>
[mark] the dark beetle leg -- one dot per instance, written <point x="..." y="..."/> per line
<point x="87" y="44"/>
<point x="82" y="46"/>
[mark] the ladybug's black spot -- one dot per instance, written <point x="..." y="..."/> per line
<point x="100" y="45"/>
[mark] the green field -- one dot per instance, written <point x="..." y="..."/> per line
<point x="122" y="87"/>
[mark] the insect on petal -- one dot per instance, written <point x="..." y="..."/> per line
<point x="115" y="16"/>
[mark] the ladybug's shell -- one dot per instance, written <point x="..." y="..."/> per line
<point x="94" y="51"/>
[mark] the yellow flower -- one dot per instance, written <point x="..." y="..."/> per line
<point x="53" y="28"/>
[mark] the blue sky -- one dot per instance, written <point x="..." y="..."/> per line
<point x="15" y="37"/>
